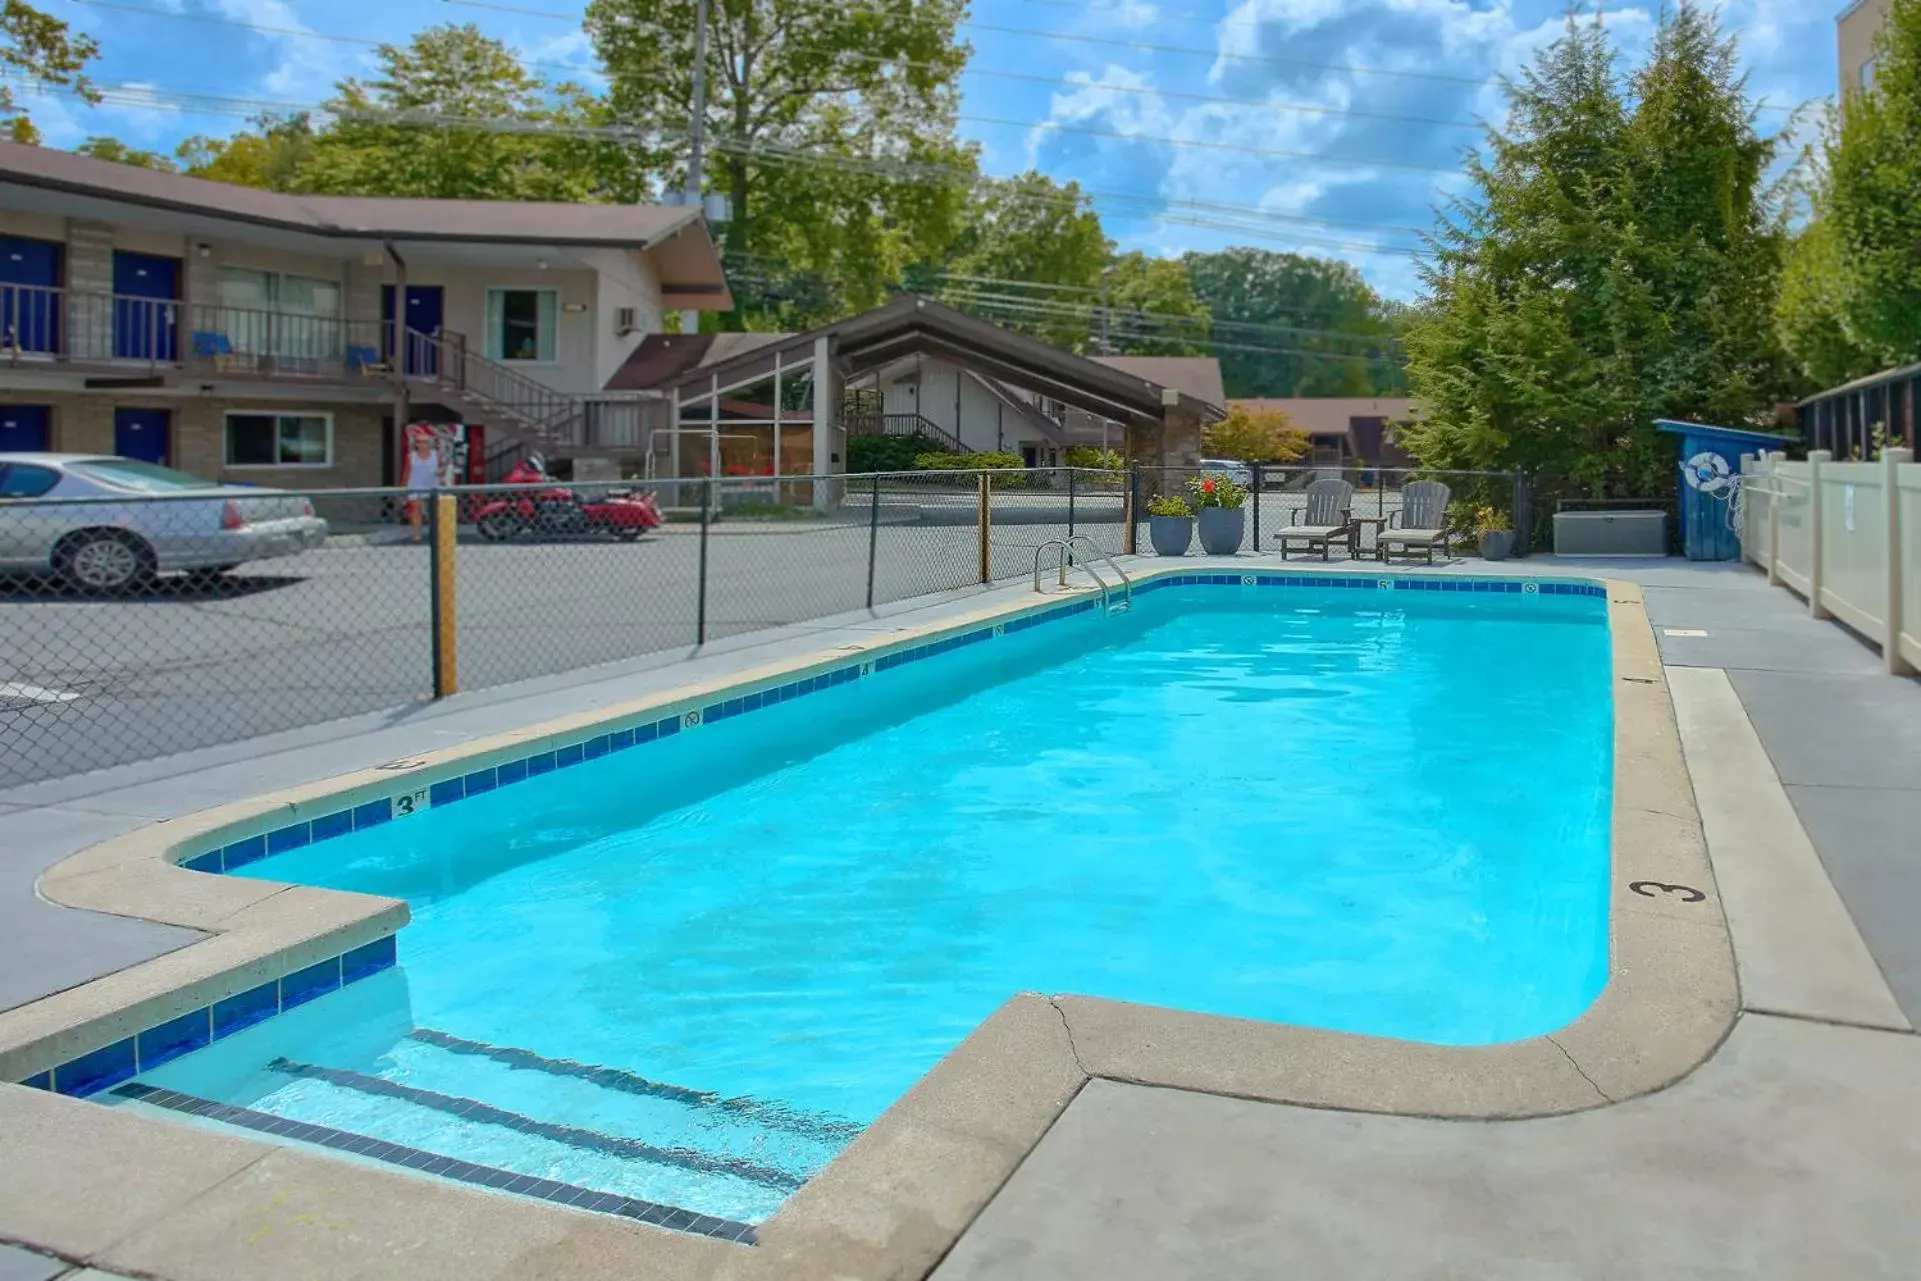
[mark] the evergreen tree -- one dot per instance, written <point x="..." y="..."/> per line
<point x="1615" y="266"/>
<point x="1873" y="196"/>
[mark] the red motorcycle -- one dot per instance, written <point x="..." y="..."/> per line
<point x="559" y="511"/>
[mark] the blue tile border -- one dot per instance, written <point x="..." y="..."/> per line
<point x="90" y="1073"/>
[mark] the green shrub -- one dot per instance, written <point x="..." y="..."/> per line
<point x="1010" y="463"/>
<point x="1094" y="458"/>
<point x="1169" y="505"/>
<point x="886" y="453"/>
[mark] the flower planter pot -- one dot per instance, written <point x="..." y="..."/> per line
<point x="1496" y="544"/>
<point x="1222" y="529"/>
<point x="1170" y="534"/>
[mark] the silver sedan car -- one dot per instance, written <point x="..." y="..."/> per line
<point x="107" y="524"/>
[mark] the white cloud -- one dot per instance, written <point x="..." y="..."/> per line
<point x="306" y="68"/>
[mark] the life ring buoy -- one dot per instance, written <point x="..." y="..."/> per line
<point x="1707" y="472"/>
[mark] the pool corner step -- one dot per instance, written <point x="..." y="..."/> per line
<point x="812" y="1125"/>
<point x="478" y="1112"/>
<point x="655" y="1213"/>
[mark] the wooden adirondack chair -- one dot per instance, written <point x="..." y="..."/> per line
<point x="1420" y="525"/>
<point x="1327" y="517"/>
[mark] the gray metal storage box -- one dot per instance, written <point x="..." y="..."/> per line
<point x="1611" y="533"/>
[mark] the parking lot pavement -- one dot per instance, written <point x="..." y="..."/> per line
<point x="347" y="629"/>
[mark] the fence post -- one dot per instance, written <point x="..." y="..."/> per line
<point x="1255" y="498"/>
<point x="1775" y="459"/>
<point x="446" y="626"/>
<point x="1523" y="515"/>
<point x="1891" y="660"/>
<point x="1815" y="458"/>
<point x="706" y="519"/>
<point x="1070" y="502"/>
<point x="983" y="523"/>
<point x="873" y="538"/>
<point x="1130" y="539"/>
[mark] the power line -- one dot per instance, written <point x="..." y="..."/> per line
<point x="1216" y="54"/>
<point x="1046" y="125"/>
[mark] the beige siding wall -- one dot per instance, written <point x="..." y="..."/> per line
<point x="84" y="424"/>
<point x="621" y="280"/>
<point x="34" y="226"/>
<point x="1855" y="35"/>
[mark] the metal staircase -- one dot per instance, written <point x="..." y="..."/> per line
<point x="509" y="403"/>
<point x="1068" y="546"/>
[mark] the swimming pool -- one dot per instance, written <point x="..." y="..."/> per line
<point x="687" y="974"/>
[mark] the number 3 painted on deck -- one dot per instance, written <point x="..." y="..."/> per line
<point x="1688" y="893"/>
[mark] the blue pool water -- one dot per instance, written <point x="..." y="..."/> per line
<point x="1383" y="813"/>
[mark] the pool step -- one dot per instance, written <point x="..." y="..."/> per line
<point x="614" y="1101"/>
<point x="800" y="1121"/>
<point x="447" y="1167"/>
<point x="481" y="1113"/>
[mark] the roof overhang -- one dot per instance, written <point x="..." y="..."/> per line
<point x="911" y="325"/>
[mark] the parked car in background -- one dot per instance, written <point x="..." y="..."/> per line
<point x="1238" y="472"/>
<point x="106" y="524"/>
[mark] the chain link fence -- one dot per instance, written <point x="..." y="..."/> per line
<point x="140" y="623"/>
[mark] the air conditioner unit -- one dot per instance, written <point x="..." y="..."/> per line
<point x="624" y="321"/>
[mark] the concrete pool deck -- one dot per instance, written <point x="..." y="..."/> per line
<point x="1813" y="958"/>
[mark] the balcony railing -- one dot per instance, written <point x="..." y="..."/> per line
<point x="67" y="325"/>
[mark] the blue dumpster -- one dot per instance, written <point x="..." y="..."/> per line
<point x="1710" y="471"/>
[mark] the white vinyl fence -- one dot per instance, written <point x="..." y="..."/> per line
<point x="1847" y="538"/>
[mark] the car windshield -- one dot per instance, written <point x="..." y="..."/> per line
<point x="129" y="473"/>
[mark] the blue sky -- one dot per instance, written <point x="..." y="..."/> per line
<point x="1212" y="115"/>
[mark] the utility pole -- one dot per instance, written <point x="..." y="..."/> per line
<point x="1106" y="272"/>
<point x="696" y="135"/>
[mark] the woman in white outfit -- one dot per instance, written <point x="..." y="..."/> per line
<point x="423" y="477"/>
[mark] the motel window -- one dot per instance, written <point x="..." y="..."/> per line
<point x="279" y="440"/>
<point x="521" y="324"/>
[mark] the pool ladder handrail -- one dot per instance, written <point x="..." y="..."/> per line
<point x="1068" y="546"/>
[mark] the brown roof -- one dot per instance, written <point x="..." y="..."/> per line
<point x="1330" y="415"/>
<point x="1196" y="376"/>
<point x="355" y="217"/>
<point x="661" y="358"/>
<point x="911" y="324"/>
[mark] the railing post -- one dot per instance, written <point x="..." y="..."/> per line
<point x="706" y="517"/>
<point x="983" y="524"/>
<point x="1131" y="504"/>
<point x="873" y="537"/>
<point x="1254" y="497"/>
<point x="1775" y="459"/>
<point x="1070" y="502"/>
<point x="446" y="628"/>
<point x="1815" y="458"/>
<point x="1892" y="613"/>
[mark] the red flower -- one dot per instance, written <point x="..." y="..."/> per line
<point x="1207" y="486"/>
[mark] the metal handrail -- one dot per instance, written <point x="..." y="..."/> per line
<point x="1068" y="546"/>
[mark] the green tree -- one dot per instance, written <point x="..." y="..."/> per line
<point x="1615" y="265"/>
<point x="1153" y="309"/>
<point x="1021" y="236"/>
<point x="448" y="71"/>
<point x="39" y="46"/>
<point x="1264" y="436"/>
<point x="816" y="110"/>
<point x="120" y="153"/>
<point x="1871" y="200"/>
<point x="272" y="154"/>
<point x="1291" y="325"/>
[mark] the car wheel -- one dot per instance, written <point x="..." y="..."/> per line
<point x="497" y="527"/>
<point x="629" y="533"/>
<point x="104" y="561"/>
